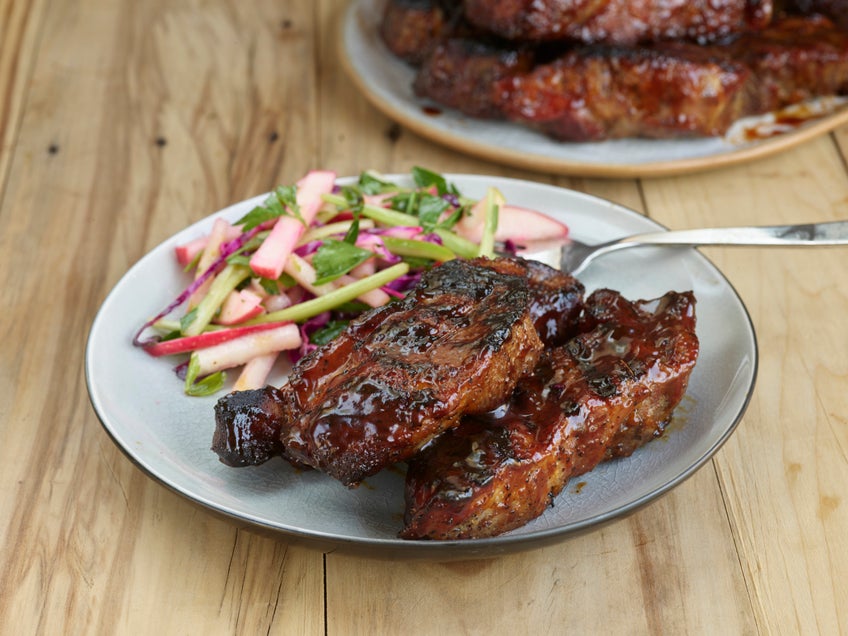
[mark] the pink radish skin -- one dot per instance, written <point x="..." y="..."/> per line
<point x="239" y="307"/>
<point x="522" y="224"/>
<point x="377" y="200"/>
<point x="241" y="350"/>
<point x="207" y="339"/>
<point x="187" y="252"/>
<point x="514" y="223"/>
<point x="270" y="259"/>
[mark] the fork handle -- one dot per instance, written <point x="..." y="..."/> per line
<point x="831" y="233"/>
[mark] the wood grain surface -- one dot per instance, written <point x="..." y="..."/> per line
<point x="122" y="121"/>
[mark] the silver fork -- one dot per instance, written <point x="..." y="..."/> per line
<point x="575" y="256"/>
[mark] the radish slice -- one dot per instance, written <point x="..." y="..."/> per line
<point x="270" y="259"/>
<point x="366" y="268"/>
<point x="239" y="307"/>
<point x="187" y="252"/>
<point x="241" y="350"/>
<point x="378" y="200"/>
<point x="303" y="272"/>
<point x="255" y="373"/>
<point x="521" y="224"/>
<point x="207" y="339"/>
<point x="277" y="302"/>
<point x="211" y="252"/>
<point x="514" y="223"/>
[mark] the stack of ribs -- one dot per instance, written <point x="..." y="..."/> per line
<point x="496" y="382"/>
<point x="582" y="70"/>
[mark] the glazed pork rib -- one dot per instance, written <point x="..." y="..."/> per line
<point x="396" y="378"/>
<point x="555" y="299"/>
<point x="669" y="89"/>
<point x="591" y="93"/>
<point x="836" y="10"/>
<point x="600" y="396"/>
<point x="409" y="27"/>
<point x="412" y="28"/>
<point x="622" y="22"/>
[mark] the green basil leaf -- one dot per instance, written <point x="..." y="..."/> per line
<point x="430" y="209"/>
<point x="353" y="199"/>
<point x="335" y="258"/>
<point x="281" y="202"/>
<point x="257" y="216"/>
<point x="271" y="287"/>
<point x="405" y="202"/>
<point x="212" y="383"/>
<point x="207" y="386"/>
<point x="287" y="281"/>
<point x="328" y="332"/>
<point x="426" y="178"/>
<point x="186" y="320"/>
<point x="453" y="219"/>
<point x="353" y="231"/>
<point x="370" y="184"/>
<point x="287" y="198"/>
<point x="238" y="259"/>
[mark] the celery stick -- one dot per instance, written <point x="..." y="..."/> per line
<point x="323" y="231"/>
<point x="170" y="326"/>
<point x="458" y="245"/>
<point x="333" y="299"/>
<point x="225" y="282"/>
<point x="494" y="200"/>
<point x="421" y="249"/>
<point x="386" y="216"/>
<point x="166" y="326"/>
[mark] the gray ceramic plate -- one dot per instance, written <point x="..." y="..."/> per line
<point x="387" y="83"/>
<point x="168" y="435"/>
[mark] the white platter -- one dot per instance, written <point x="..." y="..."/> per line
<point x="168" y="435"/>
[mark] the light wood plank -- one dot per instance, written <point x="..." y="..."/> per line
<point x="783" y="474"/>
<point x="669" y="568"/>
<point x="20" y="25"/>
<point x="162" y="121"/>
<point x="122" y="122"/>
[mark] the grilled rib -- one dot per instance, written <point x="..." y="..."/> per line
<point x="622" y="22"/>
<point x="411" y="28"/>
<point x="610" y="388"/>
<point x="669" y="89"/>
<point x="556" y="301"/>
<point x="836" y="10"/>
<point x="396" y="378"/>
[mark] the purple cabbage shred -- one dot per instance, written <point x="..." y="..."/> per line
<point x="308" y="248"/>
<point x="227" y="250"/>
<point x="451" y="198"/>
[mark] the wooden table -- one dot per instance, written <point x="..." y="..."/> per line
<point x="123" y="121"/>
